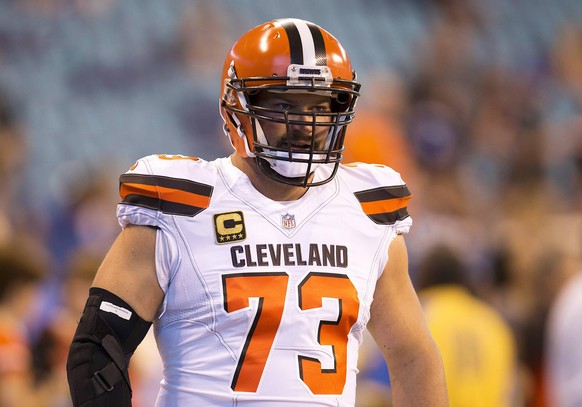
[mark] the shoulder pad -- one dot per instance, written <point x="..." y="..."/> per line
<point x="168" y="183"/>
<point x="380" y="190"/>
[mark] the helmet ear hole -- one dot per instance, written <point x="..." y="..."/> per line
<point x="252" y="96"/>
<point x="340" y="102"/>
<point x="343" y="98"/>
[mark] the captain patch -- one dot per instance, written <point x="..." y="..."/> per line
<point x="229" y="227"/>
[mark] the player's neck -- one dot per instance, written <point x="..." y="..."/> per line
<point x="268" y="187"/>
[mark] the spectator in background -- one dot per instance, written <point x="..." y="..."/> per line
<point x="51" y="348"/>
<point x="563" y="353"/>
<point x="562" y="98"/>
<point x="81" y="219"/>
<point x="13" y="151"/>
<point x="532" y="238"/>
<point x="377" y="132"/>
<point x="476" y="344"/>
<point x="21" y="272"/>
<point x="564" y="348"/>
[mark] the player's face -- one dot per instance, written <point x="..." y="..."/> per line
<point x="300" y="107"/>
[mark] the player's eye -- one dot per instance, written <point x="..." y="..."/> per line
<point x="321" y="109"/>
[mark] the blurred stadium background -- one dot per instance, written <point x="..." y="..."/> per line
<point x="477" y="103"/>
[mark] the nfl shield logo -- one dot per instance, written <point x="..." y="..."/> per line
<point x="288" y="221"/>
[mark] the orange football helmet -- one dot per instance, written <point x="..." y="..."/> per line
<point x="288" y="55"/>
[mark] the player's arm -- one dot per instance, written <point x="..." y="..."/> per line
<point x="398" y="327"/>
<point x="122" y="303"/>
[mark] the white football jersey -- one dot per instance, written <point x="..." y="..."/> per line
<point x="265" y="302"/>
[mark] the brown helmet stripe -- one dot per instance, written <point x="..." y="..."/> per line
<point x="294" y="41"/>
<point x="319" y="45"/>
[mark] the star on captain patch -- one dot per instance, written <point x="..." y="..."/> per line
<point x="288" y="221"/>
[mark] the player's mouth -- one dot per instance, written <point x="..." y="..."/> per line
<point x="295" y="146"/>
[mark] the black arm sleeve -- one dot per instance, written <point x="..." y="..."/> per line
<point x="107" y="335"/>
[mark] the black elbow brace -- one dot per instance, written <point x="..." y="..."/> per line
<point x="107" y="335"/>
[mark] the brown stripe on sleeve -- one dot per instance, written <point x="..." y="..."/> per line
<point x="383" y="193"/>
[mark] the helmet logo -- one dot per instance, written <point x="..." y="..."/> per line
<point x="303" y="75"/>
<point x="307" y="71"/>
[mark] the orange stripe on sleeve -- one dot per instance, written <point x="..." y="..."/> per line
<point x="385" y="205"/>
<point x="166" y="194"/>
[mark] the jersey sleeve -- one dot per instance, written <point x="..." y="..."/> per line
<point x="382" y="195"/>
<point x="154" y="190"/>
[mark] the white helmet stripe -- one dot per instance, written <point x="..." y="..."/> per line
<point x="305" y="42"/>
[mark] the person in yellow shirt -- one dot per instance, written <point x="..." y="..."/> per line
<point x="476" y="343"/>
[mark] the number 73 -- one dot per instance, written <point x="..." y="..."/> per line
<point x="271" y="290"/>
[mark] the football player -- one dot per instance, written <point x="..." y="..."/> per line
<point x="260" y="271"/>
